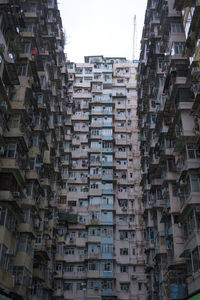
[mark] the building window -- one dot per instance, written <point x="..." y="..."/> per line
<point x="124" y="269"/>
<point x="123" y="235"/>
<point x="124" y="287"/>
<point x="93" y="284"/>
<point x="22" y="70"/>
<point x="7" y="219"/>
<point x="60" y="248"/>
<point x="106" y="248"/>
<point x="93" y="266"/>
<point x="178" y="48"/>
<point x="29" y="27"/>
<point x="122" y="218"/>
<point x="69" y="268"/>
<point x="81" y="268"/>
<point x="106" y="284"/>
<point x="176" y="27"/>
<point x="25" y="245"/>
<point x="58" y="267"/>
<point x="139" y="286"/>
<point x="123" y="251"/>
<point x="69" y="251"/>
<point x="79" y="286"/>
<point x="107" y="266"/>
<point x="22" y="276"/>
<point x="195" y="183"/>
<point x="57" y="284"/>
<point x="26" y="47"/>
<point x="68" y="286"/>
<point x="82" y="251"/>
<point x="11" y="150"/>
<point x="196" y="260"/>
<point x="3" y="257"/>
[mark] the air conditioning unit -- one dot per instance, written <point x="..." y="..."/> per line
<point x="10" y="252"/>
<point x="96" y="288"/>
<point x="133" y="277"/>
<point x="71" y="240"/>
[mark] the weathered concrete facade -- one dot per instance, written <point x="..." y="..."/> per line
<point x="102" y="254"/>
<point x="168" y="111"/>
<point x="32" y="103"/>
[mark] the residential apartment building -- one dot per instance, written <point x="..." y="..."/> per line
<point x="32" y="103"/>
<point x="101" y="254"/>
<point x="168" y="112"/>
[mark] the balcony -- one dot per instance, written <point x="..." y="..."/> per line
<point x="107" y="274"/>
<point x="107" y="164"/>
<point x="12" y="197"/>
<point x="121" y="167"/>
<point x="95" y="192"/>
<point x="107" y="112"/>
<point x="97" y="112"/>
<point x="107" y="150"/>
<point x="26" y="227"/>
<point x="107" y="292"/>
<point x="122" y="195"/>
<point x="95" y="176"/>
<point x="107" y="137"/>
<point x="169" y="175"/>
<point x="93" y="274"/>
<point x="32" y="175"/>
<point x="107" y="207"/>
<point x="82" y="117"/>
<point x="79" y="154"/>
<point x="94" y="222"/>
<point x="107" y="191"/>
<point x="82" y="95"/>
<point x="107" y="177"/>
<point x="107" y="222"/>
<point x="107" y="124"/>
<point x="37" y="273"/>
<point x="106" y="255"/>
<point x="92" y="255"/>
<point x="45" y="182"/>
<point x="122" y="155"/>
<point x="18" y="134"/>
<point x="191" y="199"/>
<point x="120" y="141"/>
<point x="95" y="149"/>
<point x="12" y="165"/>
<point x="107" y="101"/>
<point x="159" y="203"/>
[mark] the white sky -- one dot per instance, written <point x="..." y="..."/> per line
<point x="101" y="27"/>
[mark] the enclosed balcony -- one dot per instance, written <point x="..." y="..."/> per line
<point x="189" y="190"/>
<point x="14" y="162"/>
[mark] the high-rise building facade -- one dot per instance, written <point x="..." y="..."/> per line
<point x="168" y="112"/>
<point x="101" y="254"/>
<point x="32" y="103"/>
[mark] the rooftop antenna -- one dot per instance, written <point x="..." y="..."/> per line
<point x="134" y="36"/>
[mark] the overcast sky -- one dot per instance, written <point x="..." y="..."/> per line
<point x="101" y="27"/>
